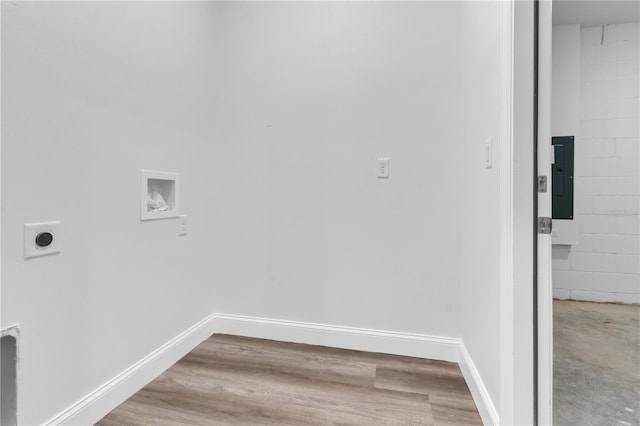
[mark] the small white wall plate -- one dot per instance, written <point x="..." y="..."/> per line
<point x="488" y="153"/>
<point x="182" y="231"/>
<point x="31" y="231"/>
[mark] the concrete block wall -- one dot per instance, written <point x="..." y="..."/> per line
<point x="605" y="264"/>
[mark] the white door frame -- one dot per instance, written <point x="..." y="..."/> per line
<point x="526" y="321"/>
<point x="507" y="361"/>
<point x="0" y="171"/>
<point x="544" y="268"/>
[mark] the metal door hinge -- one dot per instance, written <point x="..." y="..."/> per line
<point x="542" y="184"/>
<point x="544" y="225"/>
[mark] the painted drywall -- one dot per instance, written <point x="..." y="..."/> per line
<point x="605" y="264"/>
<point x="315" y="93"/>
<point x="93" y="92"/>
<point x="273" y="114"/>
<point x="479" y="254"/>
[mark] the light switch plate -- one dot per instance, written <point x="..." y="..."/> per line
<point x="31" y="231"/>
<point x="382" y="168"/>
<point x="182" y="231"/>
<point x="488" y="153"/>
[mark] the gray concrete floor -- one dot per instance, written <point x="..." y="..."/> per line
<point x="596" y="362"/>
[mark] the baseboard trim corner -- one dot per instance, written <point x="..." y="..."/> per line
<point x="105" y="398"/>
<point x="481" y="397"/>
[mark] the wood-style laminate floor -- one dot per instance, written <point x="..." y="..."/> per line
<point x="230" y="380"/>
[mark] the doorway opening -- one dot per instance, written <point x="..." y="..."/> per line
<point x="8" y="394"/>
<point x="595" y="205"/>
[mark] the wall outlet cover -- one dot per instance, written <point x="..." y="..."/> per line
<point x="382" y="164"/>
<point x="31" y="233"/>
<point x="182" y="230"/>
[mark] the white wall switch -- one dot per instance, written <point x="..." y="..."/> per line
<point x="41" y="239"/>
<point x="382" y="168"/>
<point x="183" y="225"/>
<point x="488" y="153"/>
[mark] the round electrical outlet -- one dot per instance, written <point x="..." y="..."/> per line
<point x="44" y="239"/>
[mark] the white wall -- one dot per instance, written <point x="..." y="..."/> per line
<point x="479" y="228"/>
<point x="604" y="265"/>
<point x="273" y="113"/>
<point x="315" y="93"/>
<point x="92" y="93"/>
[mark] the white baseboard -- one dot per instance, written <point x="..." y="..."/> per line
<point x="481" y="396"/>
<point x="98" y="403"/>
<point x="362" y="339"/>
<point x="101" y="401"/>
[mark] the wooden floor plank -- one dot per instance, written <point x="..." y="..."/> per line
<point x="224" y="355"/>
<point x="434" y="381"/>
<point x="230" y="380"/>
<point x="454" y="411"/>
<point x="291" y="393"/>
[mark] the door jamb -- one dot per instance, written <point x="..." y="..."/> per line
<point x="544" y="308"/>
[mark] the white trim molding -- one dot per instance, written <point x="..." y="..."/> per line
<point x="544" y="276"/>
<point x="105" y="398"/>
<point x="362" y="339"/>
<point x="482" y="398"/>
<point x="13" y="331"/>
<point x="102" y="400"/>
<point x="506" y="348"/>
